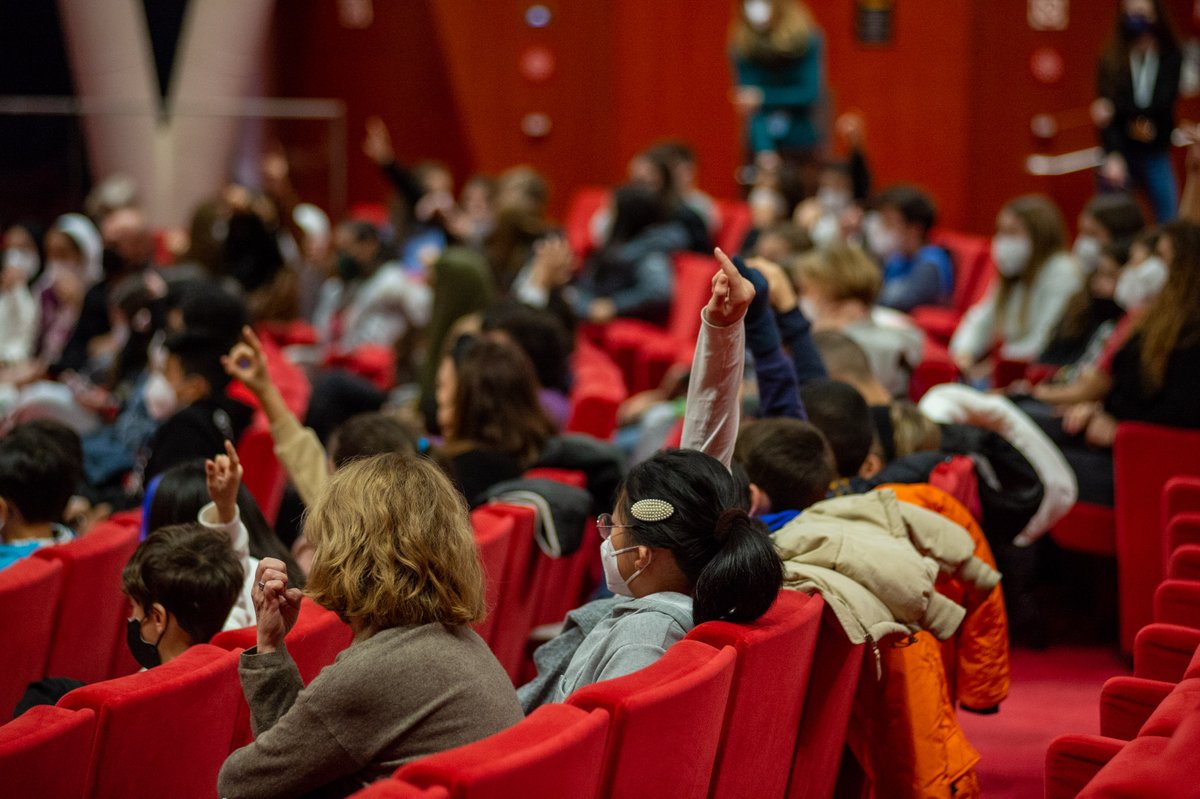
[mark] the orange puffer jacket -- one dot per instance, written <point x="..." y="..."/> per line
<point x="904" y="729"/>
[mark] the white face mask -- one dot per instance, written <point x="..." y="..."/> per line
<point x="160" y="397"/>
<point x="826" y="231"/>
<point x="758" y="13"/>
<point x="1087" y="250"/>
<point x="1140" y="284"/>
<point x="882" y="241"/>
<point x="612" y="575"/>
<point x="833" y="200"/>
<point x="24" y="261"/>
<point x="1011" y="254"/>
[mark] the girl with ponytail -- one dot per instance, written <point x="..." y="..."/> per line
<point x="679" y="549"/>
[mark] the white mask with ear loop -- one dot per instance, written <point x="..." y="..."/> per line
<point x="160" y="397"/>
<point x="612" y="575"/>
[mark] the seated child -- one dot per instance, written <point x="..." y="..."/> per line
<point x="40" y="466"/>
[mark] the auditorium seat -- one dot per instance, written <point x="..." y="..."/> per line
<point x="395" y="789"/>
<point x="1177" y="602"/>
<point x="494" y="541"/>
<point x="597" y="393"/>
<point x="1184" y="563"/>
<point x="1074" y="760"/>
<point x="1181" y="494"/>
<point x="766" y="701"/>
<point x="557" y="751"/>
<point x="29" y="591"/>
<point x="91" y="611"/>
<point x="44" y="754"/>
<point x="835" y="671"/>
<point x="1087" y="528"/>
<point x="515" y="609"/>
<point x="565" y="583"/>
<point x="1165" y="651"/>
<point x="1152" y="766"/>
<point x="666" y="722"/>
<point x="162" y="732"/>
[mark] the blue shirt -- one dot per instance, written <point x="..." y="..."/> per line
<point x="924" y="278"/>
<point x="19" y="550"/>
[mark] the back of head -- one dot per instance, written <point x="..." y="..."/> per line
<point x="394" y="546"/>
<point x="1173" y="319"/>
<point x="725" y="554"/>
<point x="913" y="204"/>
<point x="844" y="271"/>
<point x="539" y="333"/>
<point x="192" y="572"/>
<point x="251" y="252"/>
<point x="41" y="463"/>
<point x="911" y="430"/>
<point x="368" y="434"/>
<point x="496" y="404"/>
<point x="1118" y="213"/>
<point x="788" y="459"/>
<point x="841" y="414"/>
<point x="199" y="354"/>
<point x="635" y="208"/>
<point x="844" y="359"/>
<point x="208" y="309"/>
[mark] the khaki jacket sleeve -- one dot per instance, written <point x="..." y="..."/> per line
<point x="302" y="456"/>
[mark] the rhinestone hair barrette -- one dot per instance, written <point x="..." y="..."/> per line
<point x="652" y="510"/>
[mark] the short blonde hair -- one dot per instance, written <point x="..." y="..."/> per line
<point x="394" y="546"/>
<point x="844" y="271"/>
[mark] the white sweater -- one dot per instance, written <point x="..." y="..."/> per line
<point x="1052" y="289"/>
<point x="242" y="613"/>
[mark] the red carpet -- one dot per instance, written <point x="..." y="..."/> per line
<point x="1053" y="692"/>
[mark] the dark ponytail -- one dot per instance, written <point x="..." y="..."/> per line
<point x="725" y="554"/>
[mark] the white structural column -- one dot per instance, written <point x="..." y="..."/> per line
<point x="182" y="155"/>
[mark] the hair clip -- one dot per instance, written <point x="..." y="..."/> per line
<point x="652" y="510"/>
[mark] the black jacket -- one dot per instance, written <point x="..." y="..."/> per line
<point x="197" y="431"/>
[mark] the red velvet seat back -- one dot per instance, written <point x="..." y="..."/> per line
<point x="666" y="722"/>
<point x="735" y="225"/>
<point x="1152" y="766"/>
<point x="598" y="391"/>
<point x="515" y="609"/>
<point x="494" y="540"/>
<point x="836" y="666"/>
<point x="556" y="752"/>
<point x="165" y="731"/>
<point x="28" y="596"/>
<point x="584" y="203"/>
<point x="766" y="702"/>
<point x="91" y="609"/>
<point x="45" y="753"/>
<point x="395" y="789"/>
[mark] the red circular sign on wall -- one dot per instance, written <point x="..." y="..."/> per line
<point x="537" y="64"/>
<point x="1047" y="65"/>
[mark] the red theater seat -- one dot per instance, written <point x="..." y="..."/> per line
<point x="754" y="756"/>
<point x="735" y="225"/>
<point x="1087" y="528"/>
<point x="29" y="591"/>
<point x="556" y="752"/>
<point x="395" y="789"/>
<point x="515" y="609"/>
<point x="44" y="754"/>
<point x="1166" y="652"/>
<point x="162" y="732"/>
<point x="598" y="391"/>
<point x="666" y="722"/>
<point x="836" y="666"/>
<point x="494" y="541"/>
<point x="563" y="584"/>
<point x="91" y="611"/>
<point x="584" y="203"/>
<point x="972" y="257"/>
<point x="1184" y="563"/>
<point x="1181" y="495"/>
<point x="1151" y="766"/>
<point x="1177" y="602"/>
<point x="1073" y="760"/>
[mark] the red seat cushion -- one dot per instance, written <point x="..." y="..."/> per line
<point x="1181" y="703"/>
<point x="1087" y="528"/>
<point x="29" y="592"/>
<point x="556" y="752"/>
<point x="91" y="612"/>
<point x="1126" y="704"/>
<point x="754" y="757"/>
<point x="583" y="205"/>
<point x="165" y="731"/>
<point x="1184" y="563"/>
<point x="45" y="753"/>
<point x="666" y="722"/>
<point x="1151" y="766"/>
<point x="395" y="789"/>
<point x="1073" y="760"/>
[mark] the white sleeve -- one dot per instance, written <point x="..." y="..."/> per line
<point x="1053" y="289"/>
<point x="974" y="333"/>
<point x="710" y="423"/>
<point x="242" y="613"/>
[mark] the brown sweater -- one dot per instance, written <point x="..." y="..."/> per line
<point x="399" y="695"/>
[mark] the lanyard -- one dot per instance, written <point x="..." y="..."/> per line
<point x="1144" y="72"/>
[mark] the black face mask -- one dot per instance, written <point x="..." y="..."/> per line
<point x="145" y="653"/>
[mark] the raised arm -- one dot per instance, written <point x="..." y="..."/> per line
<point x="710" y="423"/>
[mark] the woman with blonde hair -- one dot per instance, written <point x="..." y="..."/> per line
<point x="396" y="558"/>
<point x="778" y="60"/>
<point x="1037" y="278"/>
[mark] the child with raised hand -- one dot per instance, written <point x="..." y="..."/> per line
<point x="224" y="475"/>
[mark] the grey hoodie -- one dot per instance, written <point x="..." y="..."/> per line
<point x="605" y="639"/>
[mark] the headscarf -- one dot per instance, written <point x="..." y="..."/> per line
<point x="81" y="231"/>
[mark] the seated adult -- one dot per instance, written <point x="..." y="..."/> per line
<point x="395" y="556"/>
<point x="543" y="338"/>
<point x="915" y="271"/>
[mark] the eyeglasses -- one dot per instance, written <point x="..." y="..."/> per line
<point x="605" y="524"/>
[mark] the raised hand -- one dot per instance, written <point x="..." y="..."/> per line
<point x="224" y="475"/>
<point x="779" y="285"/>
<point x="378" y="144"/>
<point x="731" y="294"/>
<point x="247" y="363"/>
<point x="275" y="605"/>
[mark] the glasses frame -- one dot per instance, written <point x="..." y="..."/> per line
<point x="605" y="525"/>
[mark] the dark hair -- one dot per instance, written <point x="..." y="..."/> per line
<point x="635" y="208"/>
<point x="200" y="354"/>
<point x="1114" y="64"/>
<point x="362" y="232"/>
<point x="41" y="463"/>
<point x="251" y="251"/>
<point x="1118" y="213"/>
<point x="540" y="334"/>
<point x="208" y="309"/>
<point x="677" y="151"/>
<point x="145" y="310"/>
<point x="914" y="205"/>
<point x="1172" y="322"/>
<point x="840" y="412"/>
<point x="367" y="434"/>
<point x="496" y="405"/>
<point x="192" y="572"/>
<point x="725" y="554"/>
<point x="788" y="459"/>
<point x="796" y="236"/>
<point x="183" y="491"/>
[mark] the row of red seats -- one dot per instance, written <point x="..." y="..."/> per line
<point x="1149" y="741"/>
<point x="733" y="711"/>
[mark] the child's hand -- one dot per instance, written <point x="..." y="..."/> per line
<point x="275" y="605"/>
<point x="224" y="474"/>
<point x="731" y="294"/>
<point x="247" y="363"/>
